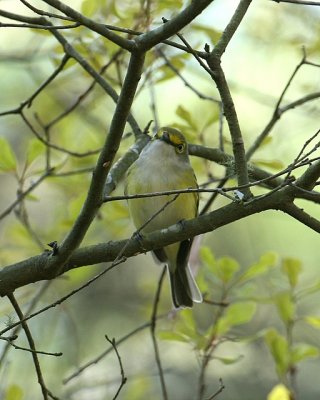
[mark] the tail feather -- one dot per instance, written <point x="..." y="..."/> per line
<point x="184" y="289"/>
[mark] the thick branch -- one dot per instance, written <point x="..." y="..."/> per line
<point x="147" y="40"/>
<point x="34" y="269"/>
<point x="95" y="193"/>
<point x="231" y="28"/>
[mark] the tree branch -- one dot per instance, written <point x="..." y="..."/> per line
<point x="35" y="268"/>
<point x="92" y="25"/>
<point x="214" y="62"/>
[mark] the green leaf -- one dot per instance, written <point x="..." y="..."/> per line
<point x="207" y="256"/>
<point x="292" y="268"/>
<point x="267" y="261"/>
<point x="35" y="149"/>
<point x="279" y="392"/>
<point x="89" y="7"/>
<point x="279" y="350"/>
<point x="227" y="267"/>
<point x="14" y="392"/>
<point x="304" y="351"/>
<point x="175" y="336"/>
<point x="313" y="321"/>
<point x="8" y="160"/>
<point x="213" y="34"/>
<point x="285" y="305"/>
<point x="236" y="314"/>
<point x="186" y="116"/>
<point x="229" y="360"/>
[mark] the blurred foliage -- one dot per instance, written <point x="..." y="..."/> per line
<point x="259" y="322"/>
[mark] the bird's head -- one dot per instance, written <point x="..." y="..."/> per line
<point x="172" y="137"/>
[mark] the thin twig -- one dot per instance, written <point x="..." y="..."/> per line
<point x="106" y="352"/>
<point x="216" y="394"/>
<point x="45" y="392"/>
<point x="123" y="377"/>
<point x="31" y="307"/>
<point x="153" y="334"/>
<point x="64" y="298"/>
<point x="10" y="339"/>
<point x="299" y="2"/>
<point x="22" y="195"/>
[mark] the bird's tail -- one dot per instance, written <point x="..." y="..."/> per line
<point x="184" y="289"/>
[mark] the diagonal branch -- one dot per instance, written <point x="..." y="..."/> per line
<point x="92" y="25"/>
<point x="35" y="268"/>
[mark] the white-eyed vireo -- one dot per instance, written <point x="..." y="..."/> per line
<point x="164" y="165"/>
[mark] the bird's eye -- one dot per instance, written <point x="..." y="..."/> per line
<point x="180" y="148"/>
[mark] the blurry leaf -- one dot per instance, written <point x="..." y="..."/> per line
<point x="140" y="388"/>
<point x="89" y="7"/>
<point x="186" y="116"/>
<point x="279" y="392"/>
<point x="188" y="325"/>
<point x="302" y="352"/>
<point x="35" y="149"/>
<point x="274" y="164"/>
<point x="310" y="290"/>
<point x="267" y="140"/>
<point x="167" y="74"/>
<point x="292" y="268"/>
<point x="212" y="117"/>
<point x="8" y="160"/>
<point x="313" y="321"/>
<point x="213" y="34"/>
<point x="285" y="305"/>
<point x="279" y="350"/>
<point x="229" y="360"/>
<point x="207" y="256"/>
<point x="267" y="261"/>
<point x="236" y="314"/>
<point x="227" y="267"/>
<point x="169" y="4"/>
<point x="32" y="197"/>
<point x="170" y="335"/>
<point x="189" y="133"/>
<point x="14" y="392"/>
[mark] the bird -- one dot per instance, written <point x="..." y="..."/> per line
<point x="164" y="165"/>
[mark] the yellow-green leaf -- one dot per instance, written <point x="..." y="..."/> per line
<point x="8" y="160"/>
<point x="236" y="314"/>
<point x="285" y="305"/>
<point x="267" y="261"/>
<point x="274" y="164"/>
<point x="175" y="336"/>
<point x="35" y="149"/>
<point x="313" y="321"/>
<point x="304" y="351"/>
<point x="227" y="267"/>
<point x="184" y="114"/>
<point x="207" y="256"/>
<point x="292" y="268"/>
<point x="213" y="34"/>
<point x="14" y="392"/>
<point x="279" y="350"/>
<point x="279" y="392"/>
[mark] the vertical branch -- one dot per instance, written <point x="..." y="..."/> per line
<point x="123" y="377"/>
<point x="214" y="62"/>
<point x="106" y="157"/>
<point x="153" y="334"/>
<point x="45" y="392"/>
